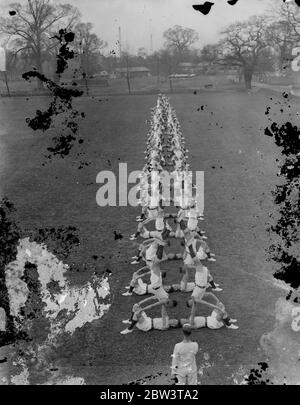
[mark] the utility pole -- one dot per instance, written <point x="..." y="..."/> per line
<point x="120" y="42"/>
<point x="171" y="84"/>
<point x="157" y="68"/>
<point x="128" y="74"/>
<point x="151" y="44"/>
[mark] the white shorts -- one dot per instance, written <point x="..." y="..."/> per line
<point x="141" y="288"/>
<point x="179" y="234"/>
<point x="213" y="323"/>
<point x="189" y="287"/>
<point x="187" y="378"/>
<point x="152" y="213"/>
<point x="158" y="323"/>
<point x="200" y="322"/>
<point x="198" y="293"/>
<point x="151" y="253"/>
<point x="161" y="294"/>
<point x="201" y="254"/>
<point x="146" y="325"/>
<point x="188" y="261"/>
<point x="207" y="322"/>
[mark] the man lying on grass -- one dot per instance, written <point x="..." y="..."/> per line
<point x="143" y="322"/>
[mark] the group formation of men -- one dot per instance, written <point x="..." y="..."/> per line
<point x="166" y="152"/>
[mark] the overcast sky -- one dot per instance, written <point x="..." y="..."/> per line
<point x="139" y="18"/>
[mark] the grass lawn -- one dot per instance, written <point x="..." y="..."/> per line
<point x="142" y="85"/>
<point x="226" y="141"/>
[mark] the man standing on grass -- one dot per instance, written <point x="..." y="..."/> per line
<point x="184" y="359"/>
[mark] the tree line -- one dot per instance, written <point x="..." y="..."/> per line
<point x="263" y="43"/>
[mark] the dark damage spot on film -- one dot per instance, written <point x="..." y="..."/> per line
<point x="65" y="53"/>
<point x="9" y="239"/>
<point x="296" y="1"/>
<point x="259" y="376"/>
<point x="294" y="297"/>
<point x="118" y="236"/>
<point x="12" y="13"/>
<point x="61" y="241"/>
<point x="206" y="7"/>
<point x="61" y="105"/>
<point x="203" y="8"/>
<point x="283" y="251"/>
<point x="146" y="380"/>
<point x="33" y="308"/>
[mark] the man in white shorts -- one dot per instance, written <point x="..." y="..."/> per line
<point x="153" y="250"/>
<point x="143" y="322"/>
<point x="160" y="296"/>
<point x="154" y="214"/>
<point x="184" y="359"/>
<point x="185" y="285"/>
<point x="139" y="287"/>
<point x="216" y="320"/>
<point x="200" y="295"/>
<point x="192" y="239"/>
<point x="201" y="284"/>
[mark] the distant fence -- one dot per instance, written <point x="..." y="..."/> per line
<point x="141" y="85"/>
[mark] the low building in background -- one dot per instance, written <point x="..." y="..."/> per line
<point x="134" y="72"/>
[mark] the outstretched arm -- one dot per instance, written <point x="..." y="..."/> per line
<point x="211" y="295"/>
<point x="164" y="316"/>
<point x="211" y="305"/>
<point x="139" y="273"/>
<point x="136" y="276"/>
<point x="147" y="300"/>
<point x="193" y="313"/>
<point x="157" y="304"/>
<point x="174" y="361"/>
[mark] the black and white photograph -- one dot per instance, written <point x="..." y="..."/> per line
<point x="149" y="195"/>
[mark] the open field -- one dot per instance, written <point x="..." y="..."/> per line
<point x="226" y="141"/>
<point x="142" y="85"/>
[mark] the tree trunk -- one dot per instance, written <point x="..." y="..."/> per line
<point x="248" y="74"/>
<point x="39" y="67"/>
<point x="171" y="85"/>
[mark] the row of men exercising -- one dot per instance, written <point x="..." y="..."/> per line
<point x="193" y="239"/>
<point x="160" y="298"/>
<point x="153" y="254"/>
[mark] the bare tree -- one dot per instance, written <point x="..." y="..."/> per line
<point x="243" y="45"/>
<point x="210" y="54"/>
<point x="88" y="45"/>
<point x="284" y="31"/>
<point x="288" y="12"/>
<point x="280" y="36"/>
<point x="180" y="39"/>
<point x="34" y="23"/>
<point x="168" y="61"/>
